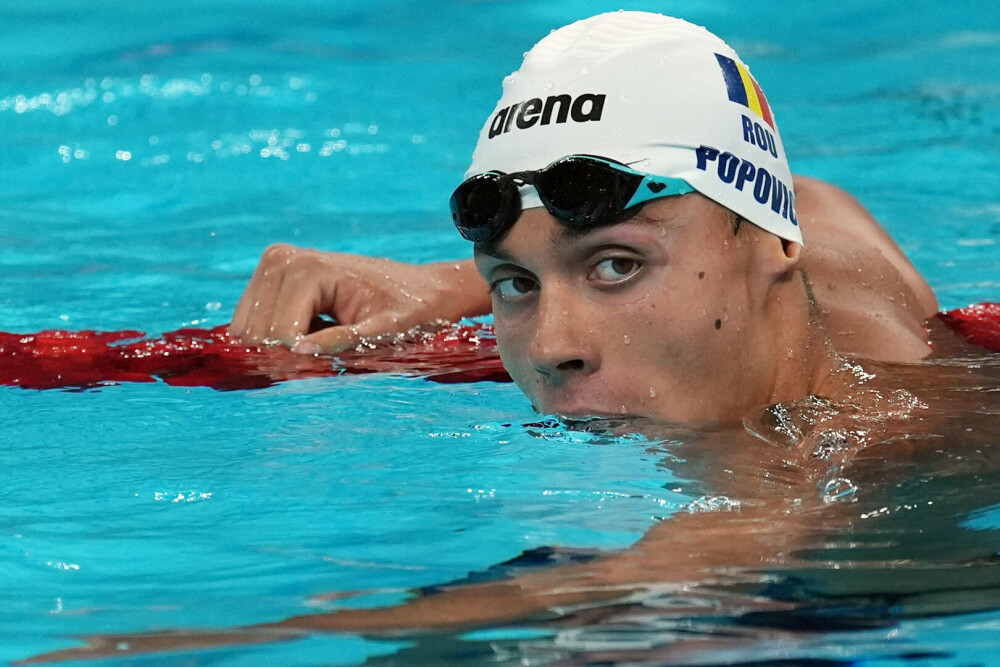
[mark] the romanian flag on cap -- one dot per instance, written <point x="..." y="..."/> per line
<point x="743" y="89"/>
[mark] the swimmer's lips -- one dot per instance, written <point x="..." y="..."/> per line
<point x="584" y="414"/>
<point x="578" y="405"/>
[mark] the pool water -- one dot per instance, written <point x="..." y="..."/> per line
<point x="149" y="153"/>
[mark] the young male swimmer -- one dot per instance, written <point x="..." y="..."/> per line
<point x="639" y="239"/>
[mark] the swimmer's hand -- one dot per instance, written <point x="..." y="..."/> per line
<point x="366" y="297"/>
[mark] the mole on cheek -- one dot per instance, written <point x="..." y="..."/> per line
<point x="701" y="274"/>
<point x="718" y="324"/>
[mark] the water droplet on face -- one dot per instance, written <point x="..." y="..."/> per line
<point x="624" y="411"/>
<point x="627" y="339"/>
<point x="652" y="393"/>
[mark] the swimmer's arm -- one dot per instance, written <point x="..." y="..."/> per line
<point x="367" y="297"/>
<point x="683" y="551"/>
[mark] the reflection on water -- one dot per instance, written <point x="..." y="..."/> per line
<point x="878" y="512"/>
<point x="821" y="531"/>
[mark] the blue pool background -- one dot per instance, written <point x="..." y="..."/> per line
<point x="148" y="154"/>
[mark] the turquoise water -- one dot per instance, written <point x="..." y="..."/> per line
<point x="148" y="155"/>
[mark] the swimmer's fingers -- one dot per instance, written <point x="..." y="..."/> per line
<point x="253" y="315"/>
<point x="289" y="288"/>
<point x="303" y="295"/>
<point x="368" y="297"/>
<point x="381" y="328"/>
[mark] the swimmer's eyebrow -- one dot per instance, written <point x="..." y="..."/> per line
<point x="574" y="234"/>
<point x="494" y="252"/>
<point x="564" y="235"/>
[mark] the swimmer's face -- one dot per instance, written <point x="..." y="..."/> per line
<point x="662" y="316"/>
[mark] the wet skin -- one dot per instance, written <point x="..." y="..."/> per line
<point x="668" y="315"/>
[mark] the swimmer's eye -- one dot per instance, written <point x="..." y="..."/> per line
<point x="513" y="287"/>
<point x="614" y="270"/>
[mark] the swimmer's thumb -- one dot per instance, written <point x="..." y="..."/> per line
<point x="346" y="336"/>
<point x="329" y="341"/>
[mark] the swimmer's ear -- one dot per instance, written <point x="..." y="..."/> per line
<point x="792" y="250"/>
<point x="780" y="256"/>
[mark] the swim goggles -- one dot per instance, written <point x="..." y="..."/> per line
<point x="583" y="191"/>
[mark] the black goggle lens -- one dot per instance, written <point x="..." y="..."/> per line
<point x="583" y="193"/>
<point x="580" y="191"/>
<point x="481" y="204"/>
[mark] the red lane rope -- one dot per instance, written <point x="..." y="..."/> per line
<point x="979" y="324"/>
<point x="212" y="358"/>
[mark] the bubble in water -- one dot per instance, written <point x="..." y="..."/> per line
<point x="713" y="504"/>
<point x="839" y="489"/>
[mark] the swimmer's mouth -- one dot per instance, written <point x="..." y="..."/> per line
<point x="586" y="414"/>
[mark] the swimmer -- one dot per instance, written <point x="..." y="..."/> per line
<point x="665" y="278"/>
<point x="645" y="252"/>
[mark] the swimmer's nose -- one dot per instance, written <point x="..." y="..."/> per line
<point x="562" y="345"/>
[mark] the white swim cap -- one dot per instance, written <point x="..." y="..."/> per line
<point x="657" y="93"/>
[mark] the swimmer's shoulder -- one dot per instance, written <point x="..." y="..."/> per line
<point x="833" y="220"/>
<point x="873" y="299"/>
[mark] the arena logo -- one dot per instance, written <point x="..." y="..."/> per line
<point x="767" y="188"/>
<point x="586" y="107"/>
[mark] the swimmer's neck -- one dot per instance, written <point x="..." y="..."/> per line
<point x="806" y="361"/>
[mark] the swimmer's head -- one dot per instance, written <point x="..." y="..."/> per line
<point x="666" y="106"/>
